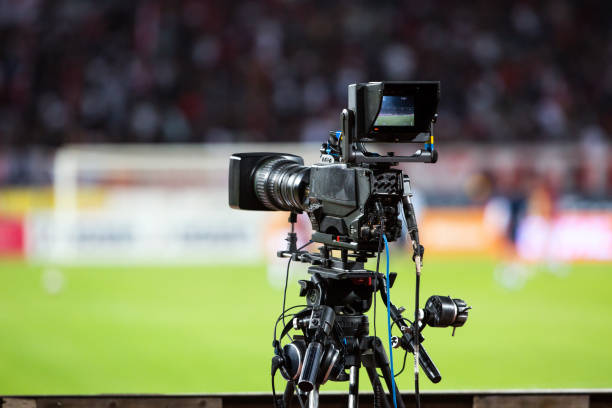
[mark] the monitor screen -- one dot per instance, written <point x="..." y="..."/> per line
<point x="396" y="110"/>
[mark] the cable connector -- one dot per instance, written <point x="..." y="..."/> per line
<point x="419" y="250"/>
<point x="276" y="345"/>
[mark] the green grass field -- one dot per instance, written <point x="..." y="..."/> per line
<point x="209" y="329"/>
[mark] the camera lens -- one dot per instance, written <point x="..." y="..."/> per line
<point x="280" y="184"/>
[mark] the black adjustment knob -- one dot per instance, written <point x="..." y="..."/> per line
<point x="304" y="286"/>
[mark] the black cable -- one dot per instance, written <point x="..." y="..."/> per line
<point x="405" y="352"/>
<point x="287" y="278"/>
<point x="376" y="278"/>
<point x="417" y="257"/>
<point x="416" y="335"/>
<point x="403" y="364"/>
<point x="282" y="315"/>
<point x="380" y="242"/>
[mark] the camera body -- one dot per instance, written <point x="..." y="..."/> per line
<point x="339" y="199"/>
<point x="352" y="192"/>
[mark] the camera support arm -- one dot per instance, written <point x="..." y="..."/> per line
<point x="291" y="238"/>
<point x="409" y="338"/>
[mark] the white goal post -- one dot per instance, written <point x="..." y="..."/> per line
<point x="149" y="204"/>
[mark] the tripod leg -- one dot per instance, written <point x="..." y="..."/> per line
<point x="383" y="361"/>
<point x="379" y="392"/>
<point x="313" y="398"/>
<point x="288" y="395"/>
<point x="386" y="372"/>
<point x="353" y="398"/>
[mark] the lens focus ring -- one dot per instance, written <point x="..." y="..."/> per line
<point x="280" y="184"/>
<point x="262" y="180"/>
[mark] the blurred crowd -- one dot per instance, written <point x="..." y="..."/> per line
<point x="87" y="71"/>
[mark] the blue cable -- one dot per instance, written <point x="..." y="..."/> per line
<point x="389" y="322"/>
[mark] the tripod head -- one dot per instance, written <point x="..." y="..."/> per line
<point x="348" y="287"/>
<point x="342" y="282"/>
<point x="343" y="286"/>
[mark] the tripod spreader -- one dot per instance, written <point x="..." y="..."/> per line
<point x="407" y="341"/>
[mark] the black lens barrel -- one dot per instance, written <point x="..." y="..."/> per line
<point x="280" y="184"/>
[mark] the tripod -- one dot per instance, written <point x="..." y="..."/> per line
<point x="369" y="352"/>
<point x="336" y="331"/>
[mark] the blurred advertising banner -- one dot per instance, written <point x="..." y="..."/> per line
<point x="176" y="237"/>
<point x="169" y="235"/>
<point x="11" y="236"/>
<point x="221" y="235"/>
<point x="457" y="230"/>
<point x="568" y="236"/>
<point x="169" y="204"/>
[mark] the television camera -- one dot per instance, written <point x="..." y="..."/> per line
<point x="355" y="200"/>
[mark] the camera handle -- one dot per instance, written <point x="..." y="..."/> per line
<point x="321" y="321"/>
